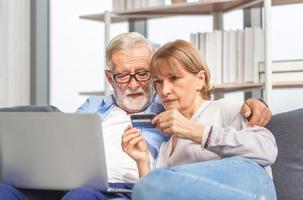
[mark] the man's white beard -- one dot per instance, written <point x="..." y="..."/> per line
<point x="133" y="104"/>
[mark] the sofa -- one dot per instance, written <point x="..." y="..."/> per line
<point x="287" y="170"/>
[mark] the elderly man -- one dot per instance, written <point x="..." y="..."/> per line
<point x="127" y="57"/>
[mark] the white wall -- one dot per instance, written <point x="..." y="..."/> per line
<point x="77" y="51"/>
<point x="77" y="47"/>
<point x="14" y="52"/>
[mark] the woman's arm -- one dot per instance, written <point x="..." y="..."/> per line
<point x="256" y="143"/>
<point x="236" y="139"/>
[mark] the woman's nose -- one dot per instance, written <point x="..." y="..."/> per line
<point x="166" y="87"/>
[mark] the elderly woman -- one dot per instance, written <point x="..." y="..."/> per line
<point x="229" y="160"/>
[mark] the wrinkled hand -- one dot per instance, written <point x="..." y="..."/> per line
<point x="134" y="144"/>
<point x="172" y="122"/>
<point x="256" y="112"/>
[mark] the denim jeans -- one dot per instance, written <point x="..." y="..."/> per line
<point x="84" y="193"/>
<point x="233" y="178"/>
<point x="8" y="192"/>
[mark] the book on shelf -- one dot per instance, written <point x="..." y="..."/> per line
<point x="201" y="45"/>
<point x="213" y="55"/>
<point x="240" y="56"/>
<point x="283" y="71"/>
<point x="225" y="57"/>
<point x="194" y="39"/>
<point x="283" y="76"/>
<point x="232" y="56"/>
<point x="124" y="5"/>
<point x="283" y="66"/>
<point x="253" y="53"/>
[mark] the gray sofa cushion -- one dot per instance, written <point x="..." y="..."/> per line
<point x="288" y="169"/>
<point x="30" y="108"/>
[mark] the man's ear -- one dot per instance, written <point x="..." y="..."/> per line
<point x="109" y="76"/>
<point x="201" y="79"/>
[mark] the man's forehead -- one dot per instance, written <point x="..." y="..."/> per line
<point x="127" y="60"/>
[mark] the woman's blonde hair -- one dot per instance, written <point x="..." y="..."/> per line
<point x="180" y="53"/>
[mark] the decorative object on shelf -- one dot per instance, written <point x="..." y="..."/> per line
<point x="178" y="1"/>
<point x="283" y="71"/>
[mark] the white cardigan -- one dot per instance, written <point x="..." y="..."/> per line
<point x="230" y="137"/>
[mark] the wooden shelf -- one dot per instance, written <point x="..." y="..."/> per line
<point x="205" y="7"/>
<point x="228" y="87"/>
<point x="238" y="87"/>
<point x="115" y="18"/>
<point x="92" y="93"/>
<point x="295" y="84"/>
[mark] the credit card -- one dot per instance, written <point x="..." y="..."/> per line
<point x="142" y="120"/>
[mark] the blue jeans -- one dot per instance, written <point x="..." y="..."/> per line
<point x="85" y="193"/>
<point x="8" y="192"/>
<point x="233" y="178"/>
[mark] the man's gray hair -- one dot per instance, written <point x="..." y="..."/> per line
<point x="125" y="41"/>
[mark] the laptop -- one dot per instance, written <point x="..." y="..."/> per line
<point x="53" y="151"/>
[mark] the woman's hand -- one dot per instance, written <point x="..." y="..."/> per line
<point x="172" y="122"/>
<point x="134" y="145"/>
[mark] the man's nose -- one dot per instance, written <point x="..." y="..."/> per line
<point x="133" y="84"/>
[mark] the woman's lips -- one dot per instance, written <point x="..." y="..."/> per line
<point x="168" y="101"/>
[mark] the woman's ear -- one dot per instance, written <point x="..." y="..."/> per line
<point x="201" y="80"/>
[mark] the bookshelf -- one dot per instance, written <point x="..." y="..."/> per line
<point x="205" y="7"/>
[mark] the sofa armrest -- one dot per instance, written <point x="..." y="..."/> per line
<point x="288" y="168"/>
<point x="30" y="108"/>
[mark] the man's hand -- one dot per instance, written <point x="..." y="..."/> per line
<point x="256" y="112"/>
<point x="134" y="145"/>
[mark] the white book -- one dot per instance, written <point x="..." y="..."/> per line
<point x="284" y="76"/>
<point x="115" y="5"/>
<point x="240" y="56"/>
<point x="202" y="44"/>
<point x="154" y="3"/>
<point x="122" y="5"/>
<point x="248" y="55"/>
<point x="129" y="4"/>
<point x="258" y="51"/>
<point x="284" y="66"/>
<point x="225" y="57"/>
<point x="137" y="4"/>
<point x="217" y="55"/>
<point x="144" y="4"/>
<point x="232" y="50"/>
<point x="209" y="51"/>
<point x="194" y="39"/>
<point x="213" y="55"/>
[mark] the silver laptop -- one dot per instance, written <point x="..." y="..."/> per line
<point x="56" y="151"/>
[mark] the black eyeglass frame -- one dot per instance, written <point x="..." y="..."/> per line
<point x="132" y="75"/>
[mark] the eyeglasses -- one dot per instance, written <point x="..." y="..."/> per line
<point x="125" y="77"/>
